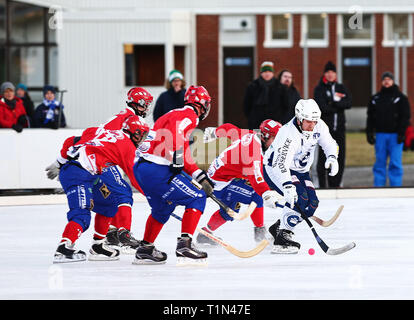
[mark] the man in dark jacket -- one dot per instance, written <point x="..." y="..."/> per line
<point x="388" y="118"/>
<point x="291" y="95"/>
<point x="263" y="98"/>
<point x="333" y="99"/>
<point x="49" y="114"/>
<point x="173" y="98"/>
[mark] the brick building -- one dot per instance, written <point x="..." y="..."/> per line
<point x="101" y="48"/>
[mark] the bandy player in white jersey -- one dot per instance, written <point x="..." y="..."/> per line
<point x="286" y="169"/>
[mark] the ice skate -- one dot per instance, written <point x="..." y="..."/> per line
<point x="188" y="254"/>
<point x="65" y="252"/>
<point x="112" y="238"/>
<point x="127" y="243"/>
<point x="274" y="229"/>
<point x="102" y="252"/>
<point x="284" y="244"/>
<point x="147" y="254"/>
<point x="259" y="233"/>
<point x="204" y="240"/>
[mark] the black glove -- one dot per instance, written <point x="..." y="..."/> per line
<point x="18" y="127"/>
<point x="371" y="137"/>
<point x="22" y="121"/>
<point x="401" y="138"/>
<point x="205" y="182"/>
<point x="177" y="164"/>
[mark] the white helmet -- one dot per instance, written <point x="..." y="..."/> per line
<point x="307" y="110"/>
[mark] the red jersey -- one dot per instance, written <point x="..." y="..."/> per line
<point x="172" y="132"/>
<point x="242" y="159"/>
<point x="99" y="148"/>
<point x="9" y="116"/>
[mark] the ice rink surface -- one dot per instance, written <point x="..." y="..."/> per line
<point x="380" y="267"/>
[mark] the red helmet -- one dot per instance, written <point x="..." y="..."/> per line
<point x="136" y="129"/>
<point x="269" y="128"/>
<point x="198" y="96"/>
<point x="140" y="100"/>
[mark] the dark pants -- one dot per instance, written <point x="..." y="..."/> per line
<point x="333" y="182"/>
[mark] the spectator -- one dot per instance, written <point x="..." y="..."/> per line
<point x="333" y="98"/>
<point x="388" y="117"/>
<point x="49" y="114"/>
<point x="291" y="95"/>
<point x="173" y="98"/>
<point x="263" y="98"/>
<point x="409" y="139"/>
<point x="12" y="112"/>
<point x="22" y="93"/>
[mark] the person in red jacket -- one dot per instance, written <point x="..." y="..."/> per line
<point x="12" y="111"/>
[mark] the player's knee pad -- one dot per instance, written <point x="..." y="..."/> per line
<point x="225" y="215"/>
<point x="198" y="203"/>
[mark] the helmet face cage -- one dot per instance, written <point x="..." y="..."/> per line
<point x="136" y="130"/>
<point x="139" y="98"/>
<point x="199" y="97"/>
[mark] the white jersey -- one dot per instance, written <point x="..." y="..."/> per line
<point x="291" y="150"/>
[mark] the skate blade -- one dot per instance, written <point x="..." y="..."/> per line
<point x="127" y="250"/>
<point x="147" y="262"/>
<point x="282" y="250"/>
<point x="184" y="262"/>
<point x="62" y="259"/>
<point x="101" y="257"/>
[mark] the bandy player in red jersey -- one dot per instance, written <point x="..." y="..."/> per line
<point x="115" y="190"/>
<point x="78" y="176"/>
<point x="158" y="173"/>
<point x="237" y="174"/>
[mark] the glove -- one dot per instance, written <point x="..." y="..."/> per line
<point x="370" y="137"/>
<point x="270" y="198"/>
<point x="52" y="171"/>
<point x="290" y="195"/>
<point x="209" y="134"/>
<point x="400" y="139"/>
<point x="18" y="127"/>
<point x="22" y="121"/>
<point x="177" y="164"/>
<point x="332" y="163"/>
<point x="203" y="179"/>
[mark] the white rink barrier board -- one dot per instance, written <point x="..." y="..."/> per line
<point x="25" y="155"/>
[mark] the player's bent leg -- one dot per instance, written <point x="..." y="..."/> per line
<point x="99" y="250"/>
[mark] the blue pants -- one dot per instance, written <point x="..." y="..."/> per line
<point x="387" y="146"/>
<point x="110" y="192"/>
<point x="238" y="191"/>
<point x="307" y="199"/>
<point x="165" y="191"/>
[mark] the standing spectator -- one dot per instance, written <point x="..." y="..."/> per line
<point x="50" y="113"/>
<point x="388" y="118"/>
<point x="22" y="93"/>
<point x="291" y="95"/>
<point x="12" y="112"/>
<point x="333" y="98"/>
<point x="173" y="98"/>
<point x="263" y="98"/>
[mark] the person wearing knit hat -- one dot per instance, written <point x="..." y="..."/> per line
<point x="22" y="93"/>
<point x="333" y="99"/>
<point x="263" y="98"/>
<point x="49" y="114"/>
<point x="173" y="98"/>
<point x="12" y="112"/>
<point x="388" y="117"/>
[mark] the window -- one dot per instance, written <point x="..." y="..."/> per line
<point x="278" y="30"/>
<point x="26" y="46"/>
<point x="356" y="30"/>
<point x="315" y="30"/>
<point x="398" y="26"/>
<point x="144" y="65"/>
